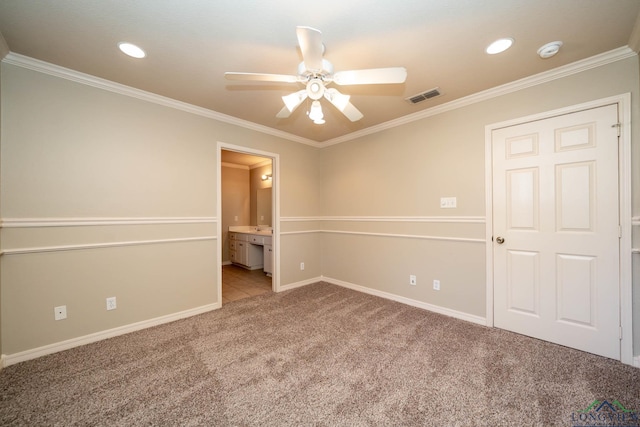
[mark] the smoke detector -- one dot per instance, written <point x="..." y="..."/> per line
<point x="549" y="49"/>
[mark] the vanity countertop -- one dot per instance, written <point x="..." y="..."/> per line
<point x="248" y="229"/>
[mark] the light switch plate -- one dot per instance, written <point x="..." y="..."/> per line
<point x="448" y="202"/>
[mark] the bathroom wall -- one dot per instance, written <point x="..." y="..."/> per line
<point x="236" y="198"/>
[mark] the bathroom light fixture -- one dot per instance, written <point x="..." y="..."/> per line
<point x="131" y="50"/>
<point x="266" y="177"/>
<point x="549" y="49"/>
<point x="499" y="46"/>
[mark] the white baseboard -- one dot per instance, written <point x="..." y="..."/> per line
<point x="636" y="361"/>
<point x="11" y="359"/>
<point x="294" y="285"/>
<point x="419" y="304"/>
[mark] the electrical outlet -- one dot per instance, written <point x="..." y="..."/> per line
<point x="60" y="312"/>
<point x="111" y="303"/>
<point x="436" y="285"/>
<point x="412" y="280"/>
<point x="302" y="266"/>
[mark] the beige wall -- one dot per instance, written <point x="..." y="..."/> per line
<point x="71" y="151"/>
<point x="235" y="202"/>
<point x="405" y="170"/>
<point x="108" y="195"/>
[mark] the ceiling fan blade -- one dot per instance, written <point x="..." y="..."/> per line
<point x="258" y="77"/>
<point x="341" y="102"/>
<point x="310" y="41"/>
<point x="291" y="102"/>
<point x="371" y="76"/>
<point x="284" y="113"/>
<point x="352" y="112"/>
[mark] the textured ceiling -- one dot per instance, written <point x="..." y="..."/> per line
<point x="191" y="43"/>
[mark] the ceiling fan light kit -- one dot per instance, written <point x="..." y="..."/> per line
<point x="292" y="101"/>
<point x="315" y="113"/>
<point x="316" y="73"/>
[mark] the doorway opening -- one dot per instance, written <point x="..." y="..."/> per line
<point x="248" y="244"/>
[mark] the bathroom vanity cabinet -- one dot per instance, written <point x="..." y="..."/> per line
<point x="268" y="259"/>
<point x="251" y="250"/>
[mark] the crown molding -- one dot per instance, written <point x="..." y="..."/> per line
<point x="261" y="164"/>
<point x="234" y="166"/>
<point x="245" y="167"/>
<point x="97" y="82"/>
<point x="527" y="82"/>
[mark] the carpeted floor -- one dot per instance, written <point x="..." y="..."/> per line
<point x="319" y="355"/>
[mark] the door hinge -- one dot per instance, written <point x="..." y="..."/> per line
<point x="619" y="126"/>
<point x="619" y="232"/>
<point x="620" y="332"/>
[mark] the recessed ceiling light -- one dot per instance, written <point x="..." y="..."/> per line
<point x="132" y="50"/>
<point x="499" y="46"/>
<point x="549" y="49"/>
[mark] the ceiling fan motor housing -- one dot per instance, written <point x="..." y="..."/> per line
<point x="315" y="88"/>
<point x="324" y="74"/>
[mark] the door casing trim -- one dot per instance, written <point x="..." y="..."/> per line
<point x="275" y="209"/>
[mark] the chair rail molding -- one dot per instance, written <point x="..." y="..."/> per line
<point x="98" y="221"/>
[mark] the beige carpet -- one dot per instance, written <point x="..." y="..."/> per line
<point x="320" y="355"/>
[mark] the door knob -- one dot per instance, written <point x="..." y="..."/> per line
<point x="500" y="240"/>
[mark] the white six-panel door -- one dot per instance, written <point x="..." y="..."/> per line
<point x="555" y="210"/>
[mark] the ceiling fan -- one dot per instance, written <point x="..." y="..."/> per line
<point x="316" y="73"/>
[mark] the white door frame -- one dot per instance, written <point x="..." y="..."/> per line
<point x="624" y="183"/>
<point x="275" y="209"/>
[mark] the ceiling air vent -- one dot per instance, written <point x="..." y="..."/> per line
<point x="431" y="93"/>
